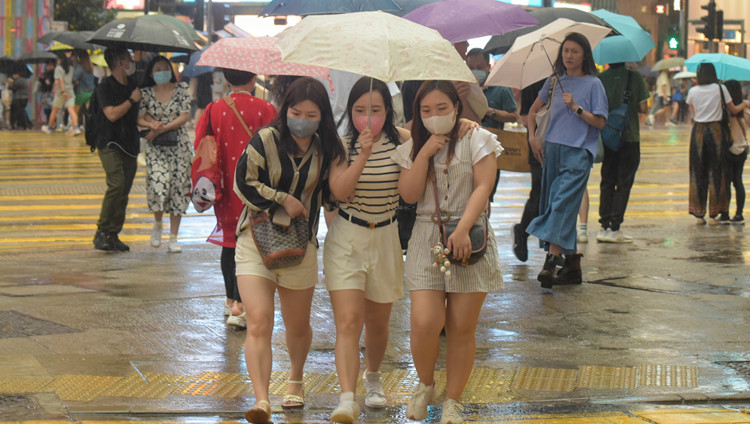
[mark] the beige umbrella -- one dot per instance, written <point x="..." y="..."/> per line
<point x="374" y="44"/>
<point x="531" y="56"/>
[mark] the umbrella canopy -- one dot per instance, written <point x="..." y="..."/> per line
<point x="258" y="55"/>
<point x="373" y="44"/>
<point x="326" y="7"/>
<point x="409" y="5"/>
<point x="37" y="56"/>
<point x="192" y="69"/>
<point x="684" y="75"/>
<point x="157" y="33"/>
<point x="460" y="20"/>
<point x="76" y="40"/>
<point x="7" y="65"/>
<point x="631" y="46"/>
<point x="531" y="56"/>
<point x="728" y="67"/>
<point x="668" y="63"/>
<point x="545" y="15"/>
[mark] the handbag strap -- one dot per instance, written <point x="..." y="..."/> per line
<point x="627" y="93"/>
<point x="230" y="103"/>
<point x="551" y="92"/>
<point x="724" y="111"/>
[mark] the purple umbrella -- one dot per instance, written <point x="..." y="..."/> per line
<point x="460" y="20"/>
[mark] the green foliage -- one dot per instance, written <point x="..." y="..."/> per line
<point x="83" y="15"/>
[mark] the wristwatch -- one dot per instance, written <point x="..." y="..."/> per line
<point x="132" y="102"/>
<point x="579" y="111"/>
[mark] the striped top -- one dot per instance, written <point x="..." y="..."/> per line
<point x="376" y="193"/>
<point x="263" y="179"/>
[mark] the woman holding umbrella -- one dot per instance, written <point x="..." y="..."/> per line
<point x="578" y="111"/>
<point x="709" y="154"/>
<point x="305" y="146"/>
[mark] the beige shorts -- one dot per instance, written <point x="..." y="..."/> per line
<point x="60" y="102"/>
<point x="356" y="257"/>
<point x="249" y="262"/>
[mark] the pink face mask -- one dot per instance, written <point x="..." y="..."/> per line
<point x="376" y="123"/>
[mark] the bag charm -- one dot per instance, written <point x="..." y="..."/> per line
<point x="440" y="254"/>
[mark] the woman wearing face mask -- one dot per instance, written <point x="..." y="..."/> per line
<point x="438" y="300"/>
<point x="306" y="147"/>
<point x="576" y="116"/>
<point x="166" y="107"/>
<point x="362" y="257"/>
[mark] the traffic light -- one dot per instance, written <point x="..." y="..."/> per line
<point x="673" y="39"/>
<point x="719" y="25"/>
<point x="709" y="29"/>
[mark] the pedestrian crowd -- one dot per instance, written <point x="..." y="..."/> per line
<point x="376" y="149"/>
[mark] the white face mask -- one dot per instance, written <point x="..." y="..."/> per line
<point x="131" y="69"/>
<point x="440" y="124"/>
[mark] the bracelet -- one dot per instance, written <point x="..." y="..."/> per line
<point x="132" y="102"/>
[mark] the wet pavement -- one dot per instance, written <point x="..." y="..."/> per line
<point x="88" y="335"/>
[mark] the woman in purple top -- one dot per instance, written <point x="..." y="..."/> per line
<point x="578" y="111"/>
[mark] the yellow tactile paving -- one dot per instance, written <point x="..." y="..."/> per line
<point x="157" y="386"/>
<point x="213" y="384"/>
<point x="82" y="388"/>
<point x="598" y="377"/>
<point x="695" y="416"/>
<point x="667" y="375"/>
<point x="489" y="386"/>
<point x="17" y="384"/>
<point x="552" y="379"/>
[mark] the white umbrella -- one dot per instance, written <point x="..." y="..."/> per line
<point x="685" y="74"/>
<point x="374" y="44"/>
<point x="532" y="55"/>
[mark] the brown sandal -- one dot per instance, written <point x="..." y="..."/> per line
<point x="260" y="413"/>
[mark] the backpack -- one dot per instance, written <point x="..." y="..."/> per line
<point x="617" y="121"/>
<point x="93" y="114"/>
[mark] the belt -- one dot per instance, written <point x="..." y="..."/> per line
<point x="363" y="223"/>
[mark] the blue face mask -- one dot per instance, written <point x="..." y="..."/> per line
<point x="162" y="77"/>
<point x="301" y="128"/>
<point x="480" y="75"/>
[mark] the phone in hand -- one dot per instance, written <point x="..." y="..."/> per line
<point x="281" y="218"/>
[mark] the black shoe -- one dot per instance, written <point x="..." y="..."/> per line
<point x="117" y="244"/>
<point x="570" y="273"/>
<point x="102" y="242"/>
<point x="723" y="219"/>
<point x="738" y="220"/>
<point x="547" y="276"/>
<point x="520" y="238"/>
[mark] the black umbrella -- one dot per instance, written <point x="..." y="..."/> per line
<point x="77" y="40"/>
<point x="156" y="33"/>
<point x="7" y="65"/>
<point x="37" y="56"/>
<point x="409" y="5"/>
<point x="326" y="7"/>
<point x="499" y="44"/>
<point x="22" y="70"/>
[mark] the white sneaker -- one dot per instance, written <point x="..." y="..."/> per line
<point x="669" y="124"/>
<point x="583" y="236"/>
<point x="451" y="412"/>
<point x="346" y="413"/>
<point x="174" y="245"/>
<point x="603" y="235"/>
<point x="375" y="397"/>
<point x="239" y="321"/>
<point x="156" y="235"/>
<point x="416" y="407"/>
<point x="650" y="120"/>
<point x="619" y="237"/>
<point x="46" y="129"/>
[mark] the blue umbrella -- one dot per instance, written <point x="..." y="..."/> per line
<point x="631" y="46"/>
<point x="192" y="70"/>
<point x="728" y="67"/>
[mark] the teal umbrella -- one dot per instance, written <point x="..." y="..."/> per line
<point x="728" y="67"/>
<point x="631" y="46"/>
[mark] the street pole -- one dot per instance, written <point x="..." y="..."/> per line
<point x="683" y="29"/>
<point x="209" y="20"/>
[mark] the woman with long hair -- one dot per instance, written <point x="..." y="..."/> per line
<point x="64" y="96"/>
<point x="709" y="152"/>
<point x="303" y="147"/>
<point x="578" y="112"/>
<point x="166" y="107"/>
<point x="450" y="300"/>
<point x="737" y="150"/>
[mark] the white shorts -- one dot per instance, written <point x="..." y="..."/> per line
<point x="60" y="102"/>
<point x="299" y="277"/>
<point x="359" y="258"/>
